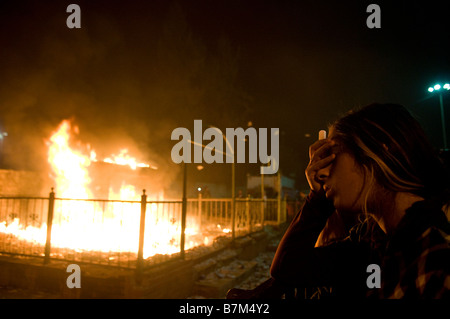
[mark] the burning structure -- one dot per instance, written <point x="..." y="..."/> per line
<point x="102" y="211"/>
<point x="78" y="174"/>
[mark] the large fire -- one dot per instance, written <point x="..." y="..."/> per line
<point x="106" y="226"/>
<point x="69" y="166"/>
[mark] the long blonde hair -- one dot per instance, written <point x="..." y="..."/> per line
<point x="393" y="151"/>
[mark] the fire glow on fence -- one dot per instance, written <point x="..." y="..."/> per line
<point x="112" y="225"/>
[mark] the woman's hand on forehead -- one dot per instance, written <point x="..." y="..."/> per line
<point x="321" y="155"/>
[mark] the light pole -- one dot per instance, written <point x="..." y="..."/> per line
<point x="233" y="181"/>
<point x="437" y="88"/>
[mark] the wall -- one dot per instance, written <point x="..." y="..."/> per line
<point x="23" y="183"/>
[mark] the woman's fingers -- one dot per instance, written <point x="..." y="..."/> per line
<point x="317" y="145"/>
<point x="320" y="158"/>
<point x="321" y="150"/>
<point x="312" y="171"/>
<point x="324" y="162"/>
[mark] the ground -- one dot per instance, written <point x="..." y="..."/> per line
<point x="262" y="271"/>
<point x="260" y="274"/>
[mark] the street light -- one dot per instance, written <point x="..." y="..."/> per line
<point x="437" y="88"/>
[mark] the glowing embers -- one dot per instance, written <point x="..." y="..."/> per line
<point x="102" y="230"/>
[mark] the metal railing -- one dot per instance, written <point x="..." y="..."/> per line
<point x="129" y="234"/>
<point x="23" y="218"/>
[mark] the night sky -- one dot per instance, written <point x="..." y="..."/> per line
<point x="136" y="70"/>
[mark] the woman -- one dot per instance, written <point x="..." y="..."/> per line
<point x="376" y="162"/>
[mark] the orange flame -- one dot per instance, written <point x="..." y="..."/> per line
<point x="124" y="159"/>
<point x="95" y="226"/>
<point x="69" y="166"/>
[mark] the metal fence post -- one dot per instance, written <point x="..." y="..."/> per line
<point x="183" y="214"/>
<point x="247" y="213"/>
<point x="51" y="205"/>
<point x="279" y="189"/>
<point x="262" y="214"/>
<point x="199" y="211"/>
<point x="233" y="202"/>
<point x="263" y="207"/>
<point x="140" y="259"/>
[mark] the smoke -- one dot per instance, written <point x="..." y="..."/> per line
<point x="126" y="84"/>
<point x="87" y="75"/>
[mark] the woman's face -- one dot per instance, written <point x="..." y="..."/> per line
<point x="343" y="180"/>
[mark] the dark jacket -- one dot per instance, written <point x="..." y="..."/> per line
<point x="414" y="261"/>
